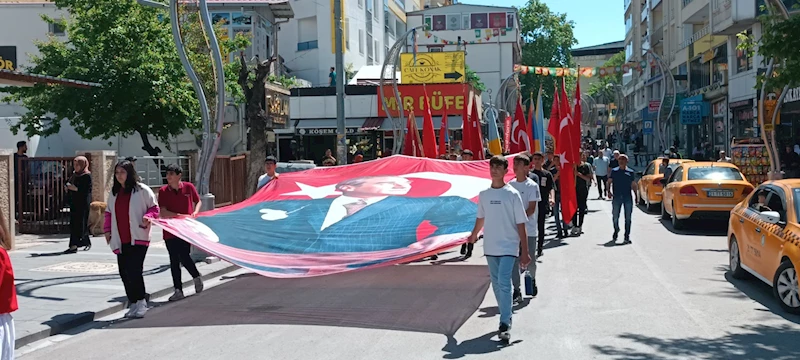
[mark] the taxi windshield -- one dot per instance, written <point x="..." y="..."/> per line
<point x="713" y="173"/>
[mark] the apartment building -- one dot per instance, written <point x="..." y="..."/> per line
<point x="696" y="39"/>
<point x="370" y="28"/>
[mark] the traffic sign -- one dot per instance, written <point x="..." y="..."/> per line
<point x="432" y="68"/>
<point x="647" y="127"/>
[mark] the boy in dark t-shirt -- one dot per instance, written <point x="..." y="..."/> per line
<point x="547" y="191"/>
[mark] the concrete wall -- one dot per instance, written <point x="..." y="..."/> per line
<point x="324" y="107"/>
<point x="6" y="191"/>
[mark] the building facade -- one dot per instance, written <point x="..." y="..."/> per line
<point x="22" y="25"/>
<point x="592" y="57"/>
<point x="488" y="34"/>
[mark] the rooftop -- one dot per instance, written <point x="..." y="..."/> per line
<point x="601" y="49"/>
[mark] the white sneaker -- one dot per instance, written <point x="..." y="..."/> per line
<point x="141" y="309"/>
<point x="178" y="295"/>
<point x="198" y="285"/>
<point x="130" y="310"/>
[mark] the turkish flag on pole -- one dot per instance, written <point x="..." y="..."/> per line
<point x="428" y="132"/>
<point x="412" y="144"/>
<point x="520" y="141"/>
<point x="577" y="115"/>
<point x="566" y="150"/>
<point x="466" y="134"/>
<point x="555" y="117"/>
<point x="443" y="135"/>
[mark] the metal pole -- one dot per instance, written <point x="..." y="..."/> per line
<point x="393" y="59"/>
<point x="341" y="135"/>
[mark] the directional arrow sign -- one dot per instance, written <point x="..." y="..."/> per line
<point x="432" y="68"/>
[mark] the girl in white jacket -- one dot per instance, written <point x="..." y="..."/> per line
<point x="129" y="208"/>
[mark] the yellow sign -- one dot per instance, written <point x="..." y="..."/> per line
<point x="433" y="68"/>
<point x="769" y="127"/>
<point x="345" y="26"/>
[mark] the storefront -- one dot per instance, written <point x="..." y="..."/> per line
<point x="694" y="114"/>
<point x="788" y="130"/>
<point x="312" y="137"/>
<point x="719" y="119"/>
<point x="742" y="124"/>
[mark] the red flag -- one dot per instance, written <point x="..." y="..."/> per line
<point x="555" y="117"/>
<point x="466" y="133"/>
<point x="428" y="132"/>
<point x="477" y="130"/>
<point x="520" y="140"/>
<point x="507" y="134"/>
<point x="443" y="135"/>
<point x="577" y="114"/>
<point x="412" y="144"/>
<point x="567" y="152"/>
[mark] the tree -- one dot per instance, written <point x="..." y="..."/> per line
<point x="473" y="79"/>
<point x="547" y="39"/>
<point x="601" y="86"/>
<point x="128" y="49"/>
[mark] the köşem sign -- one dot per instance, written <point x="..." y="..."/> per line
<point x="443" y="98"/>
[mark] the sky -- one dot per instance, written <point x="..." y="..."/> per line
<point x="596" y="21"/>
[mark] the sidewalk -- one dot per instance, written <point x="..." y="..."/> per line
<point x="57" y="292"/>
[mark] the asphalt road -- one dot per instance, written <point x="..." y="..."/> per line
<point x="666" y="296"/>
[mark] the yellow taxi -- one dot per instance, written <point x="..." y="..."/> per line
<point x="764" y="239"/>
<point x="702" y="190"/>
<point x="650" y="185"/>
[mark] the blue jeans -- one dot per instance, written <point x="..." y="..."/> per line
<point x="500" y="270"/>
<point x="617" y="204"/>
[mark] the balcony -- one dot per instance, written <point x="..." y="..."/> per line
<point x="696" y="36"/>
<point x="732" y="17"/>
<point x="644" y="14"/>
<point x="695" y="11"/>
<point x="658" y="32"/>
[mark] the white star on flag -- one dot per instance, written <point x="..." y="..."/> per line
<point x="314" y="192"/>
<point x="563" y="158"/>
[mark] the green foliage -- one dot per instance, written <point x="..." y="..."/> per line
<point x="547" y="39"/>
<point x="780" y="40"/>
<point x="287" y="82"/>
<point x="601" y="86"/>
<point x="473" y="79"/>
<point x="125" y="47"/>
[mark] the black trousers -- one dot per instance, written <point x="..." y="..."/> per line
<point x="601" y="182"/>
<point x="130" y="261"/>
<point x="467" y="247"/>
<point x="179" y="254"/>
<point x="582" y="193"/>
<point x="542" y="216"/>
<point x="79" y="225"/>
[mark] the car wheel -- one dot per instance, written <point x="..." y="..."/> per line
<point x="785" y="287"/>
<point x="735" y="260"/>
<point x="677" y="224"/>
<point x="664" y="214"/>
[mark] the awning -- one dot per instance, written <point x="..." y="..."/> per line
<point x="372" y="123"/>
<point x="16" y="78"/>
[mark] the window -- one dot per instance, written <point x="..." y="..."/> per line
<point x="714" y="173"/>
<point x="361" y="4"/>
<point x="743" y="61"/>
<point x="307" y="34"/>
<point x="370" y="6"/>
<point x="376" y="14"/>
<point x="361" y="41"/>
<point x="651" y="169"/>
<point x="56" y="29"/>
<point x="347" y="34"/>
<point x="677" y="175"/>
<point x="377" y="49"/>
<point x="435" y="48"/>
<point x="796" y="203"/>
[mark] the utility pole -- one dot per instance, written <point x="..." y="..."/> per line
<point x="341" y="135"/>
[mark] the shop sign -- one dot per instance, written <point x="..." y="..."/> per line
<point x="742" y="103"/>
<point x="647" y="127"/>
<point x="692" y="111"/>
<point x="443" y="98"/>
<point x="278" y="107"/>
<point x="324" y="131"/>
<point x="8" y="58"/>
<point x="654" y="105"/>
<point x="792" y="95"/>
<point x="743" y="114"/>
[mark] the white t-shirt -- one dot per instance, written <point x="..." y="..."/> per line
<point x="529" y="192"/>
<point x="501" y="210"/>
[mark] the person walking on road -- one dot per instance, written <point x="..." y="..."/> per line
<point x="601" y="163"/>
<point x="622" y="184"/>
<point x="176" y="199"/>
<point x="79" y="189"/>
<point x="547" y="190"/>
<point x="502" y="217"/>
<point x="583" y="180"/>
<point x="130" y="206"/>
<point x="8" y="295"/>
<point x="561" y="225"/>
<point x="529" y="192"/>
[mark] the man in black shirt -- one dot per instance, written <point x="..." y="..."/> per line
<point x="582" y="182"/>
<point x="19" y="169"/>
<point x="545" y="180"/>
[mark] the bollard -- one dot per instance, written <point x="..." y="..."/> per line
<point x="196" y="253"/>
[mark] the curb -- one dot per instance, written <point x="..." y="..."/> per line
<point x="88" y="317"/>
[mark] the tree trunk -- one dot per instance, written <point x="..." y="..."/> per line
<point x="255" y="119"/>
<point x="153" y="151"/>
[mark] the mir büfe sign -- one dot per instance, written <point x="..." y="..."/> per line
<point x="442" y="97"/>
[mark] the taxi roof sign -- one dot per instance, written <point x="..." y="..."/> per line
<point x="433" y="68"/>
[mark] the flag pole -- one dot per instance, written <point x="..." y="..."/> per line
<point x="577" y="99"/>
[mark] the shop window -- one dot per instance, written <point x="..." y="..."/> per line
<point x="744" y="62"/>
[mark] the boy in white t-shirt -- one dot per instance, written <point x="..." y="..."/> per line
<point x="530" y="194"/>
<point x="502" y="216"/>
